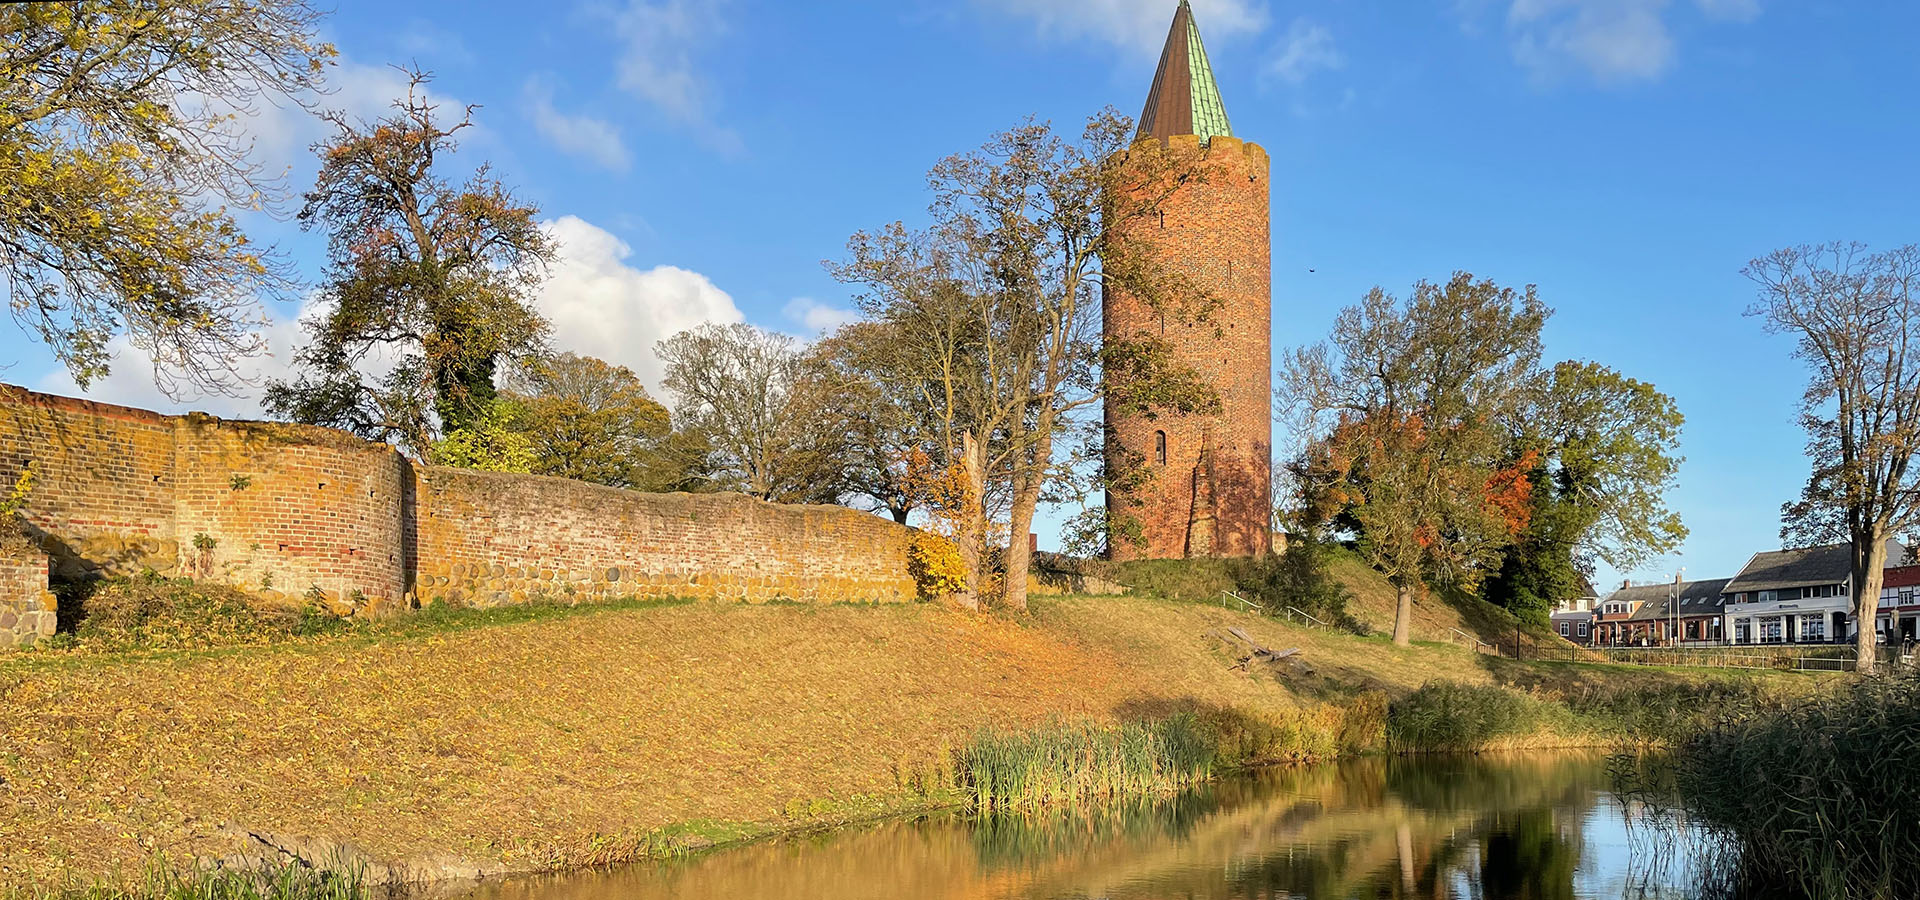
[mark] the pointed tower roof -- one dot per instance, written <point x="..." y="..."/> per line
<point x="1184" y="98"/>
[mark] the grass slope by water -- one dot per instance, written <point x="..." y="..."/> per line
<point x="524" y="739"/>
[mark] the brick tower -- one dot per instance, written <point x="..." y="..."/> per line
<point x="1210" y="494"/>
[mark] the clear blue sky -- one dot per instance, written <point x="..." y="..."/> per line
<point x="1628" y="156"/>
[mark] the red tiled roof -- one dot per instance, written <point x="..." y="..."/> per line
<point x="1902" y="576"/>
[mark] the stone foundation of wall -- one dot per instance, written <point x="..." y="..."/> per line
<point x="28" y="611"/>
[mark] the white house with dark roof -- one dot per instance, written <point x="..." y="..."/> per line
<point x="1799" y="596"/>
<point x="1574" y="619"/>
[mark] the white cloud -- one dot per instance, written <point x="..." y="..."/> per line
<point x="1135" y="25"/>
<point x="594" y="139"/>
<point x="1307" y="48"/>
<point x="600" y="306"/>
<point x="817" y="318"/>
<point x="281" y="132"/>
<point x="657" y="63"/>
<point x="1613" y="41"/>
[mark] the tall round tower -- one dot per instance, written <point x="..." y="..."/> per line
<point x="1210" y="491"/>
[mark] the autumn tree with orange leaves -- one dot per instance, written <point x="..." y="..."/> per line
<point x="1411" y="404"/>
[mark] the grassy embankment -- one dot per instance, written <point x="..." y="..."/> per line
<point x="541" y="737"/>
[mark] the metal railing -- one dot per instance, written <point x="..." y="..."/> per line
<point x="1249" y="604"/>
<point x="1293" y="611"/>
<point x="1477" y="642"/>
<point x="1725" y="658"/>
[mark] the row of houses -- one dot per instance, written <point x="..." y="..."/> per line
<point x="1802" y="596"/>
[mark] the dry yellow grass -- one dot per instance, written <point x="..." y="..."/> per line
<point x="500" y="744"/>
<point x="570" y="738"/>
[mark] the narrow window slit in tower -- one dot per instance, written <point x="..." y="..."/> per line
<point x="1160" y="448"/>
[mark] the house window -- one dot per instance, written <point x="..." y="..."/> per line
<point x="1766" y="596"/>
<point x="1583" y="629"/>
<point x="1906" y="597"/>
<point x="1813" y="627"/>
<point x="1743" y="632"/>
<point x="1770" y="630"/>
<point x="1160" y="447"/>
<point x="1565" y="630"/>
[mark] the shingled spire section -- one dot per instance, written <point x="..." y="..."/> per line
<point x="1184" y="98"/>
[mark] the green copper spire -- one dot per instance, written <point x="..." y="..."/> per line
<point x="1184" y="98"/>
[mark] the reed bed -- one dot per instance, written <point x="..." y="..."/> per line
<point x="1820" y="798"/>
<point x="1449" y="717"/>
<point x="1063" y="762"/>
<point x="161" y="881"/>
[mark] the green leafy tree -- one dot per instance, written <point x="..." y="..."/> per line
<point x="593" y="421"/>
<point x="1607" y="449"/>
<point x="489" y="442"/>
<point x="118" y="153"/>
<point x="436" y="274"/>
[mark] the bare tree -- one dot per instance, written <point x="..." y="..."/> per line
<point x="1855" y="317"/>
<point x="1004" y="291"/>
<point x="751" y="395"/>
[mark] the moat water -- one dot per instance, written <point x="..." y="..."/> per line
<point x="1506" y="828"/>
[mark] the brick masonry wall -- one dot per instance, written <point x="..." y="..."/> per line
<point x="285" y="509"/>
<point x="485" y="538"/>
<point x="104" y="499"/>
<point x="1216" y="231"/>
<point x="290" y="508"/>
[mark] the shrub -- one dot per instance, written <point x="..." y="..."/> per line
<point x="1299" y="578"/>
<point x="936" y="565"/>
<point x="165" y="614"/>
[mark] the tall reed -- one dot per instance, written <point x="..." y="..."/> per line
<point x="1823" y="799"/>
<point x="1063" y="762"/>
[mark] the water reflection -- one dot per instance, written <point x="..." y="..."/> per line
<point x="1521" y="828"/>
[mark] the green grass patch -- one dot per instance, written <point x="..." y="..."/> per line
<point x="1186" y="580"/>
<point x="149" y="616"/>
<point x="1064" y="762"/>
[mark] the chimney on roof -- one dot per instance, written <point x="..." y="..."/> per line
<point x="1677" y="576"/>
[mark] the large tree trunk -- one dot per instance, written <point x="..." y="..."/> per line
<point x="1869" y="568"/>
<point x="972" y="527"/>
<point x="1403" y="614"/>
<point x="1026" y="499"/>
